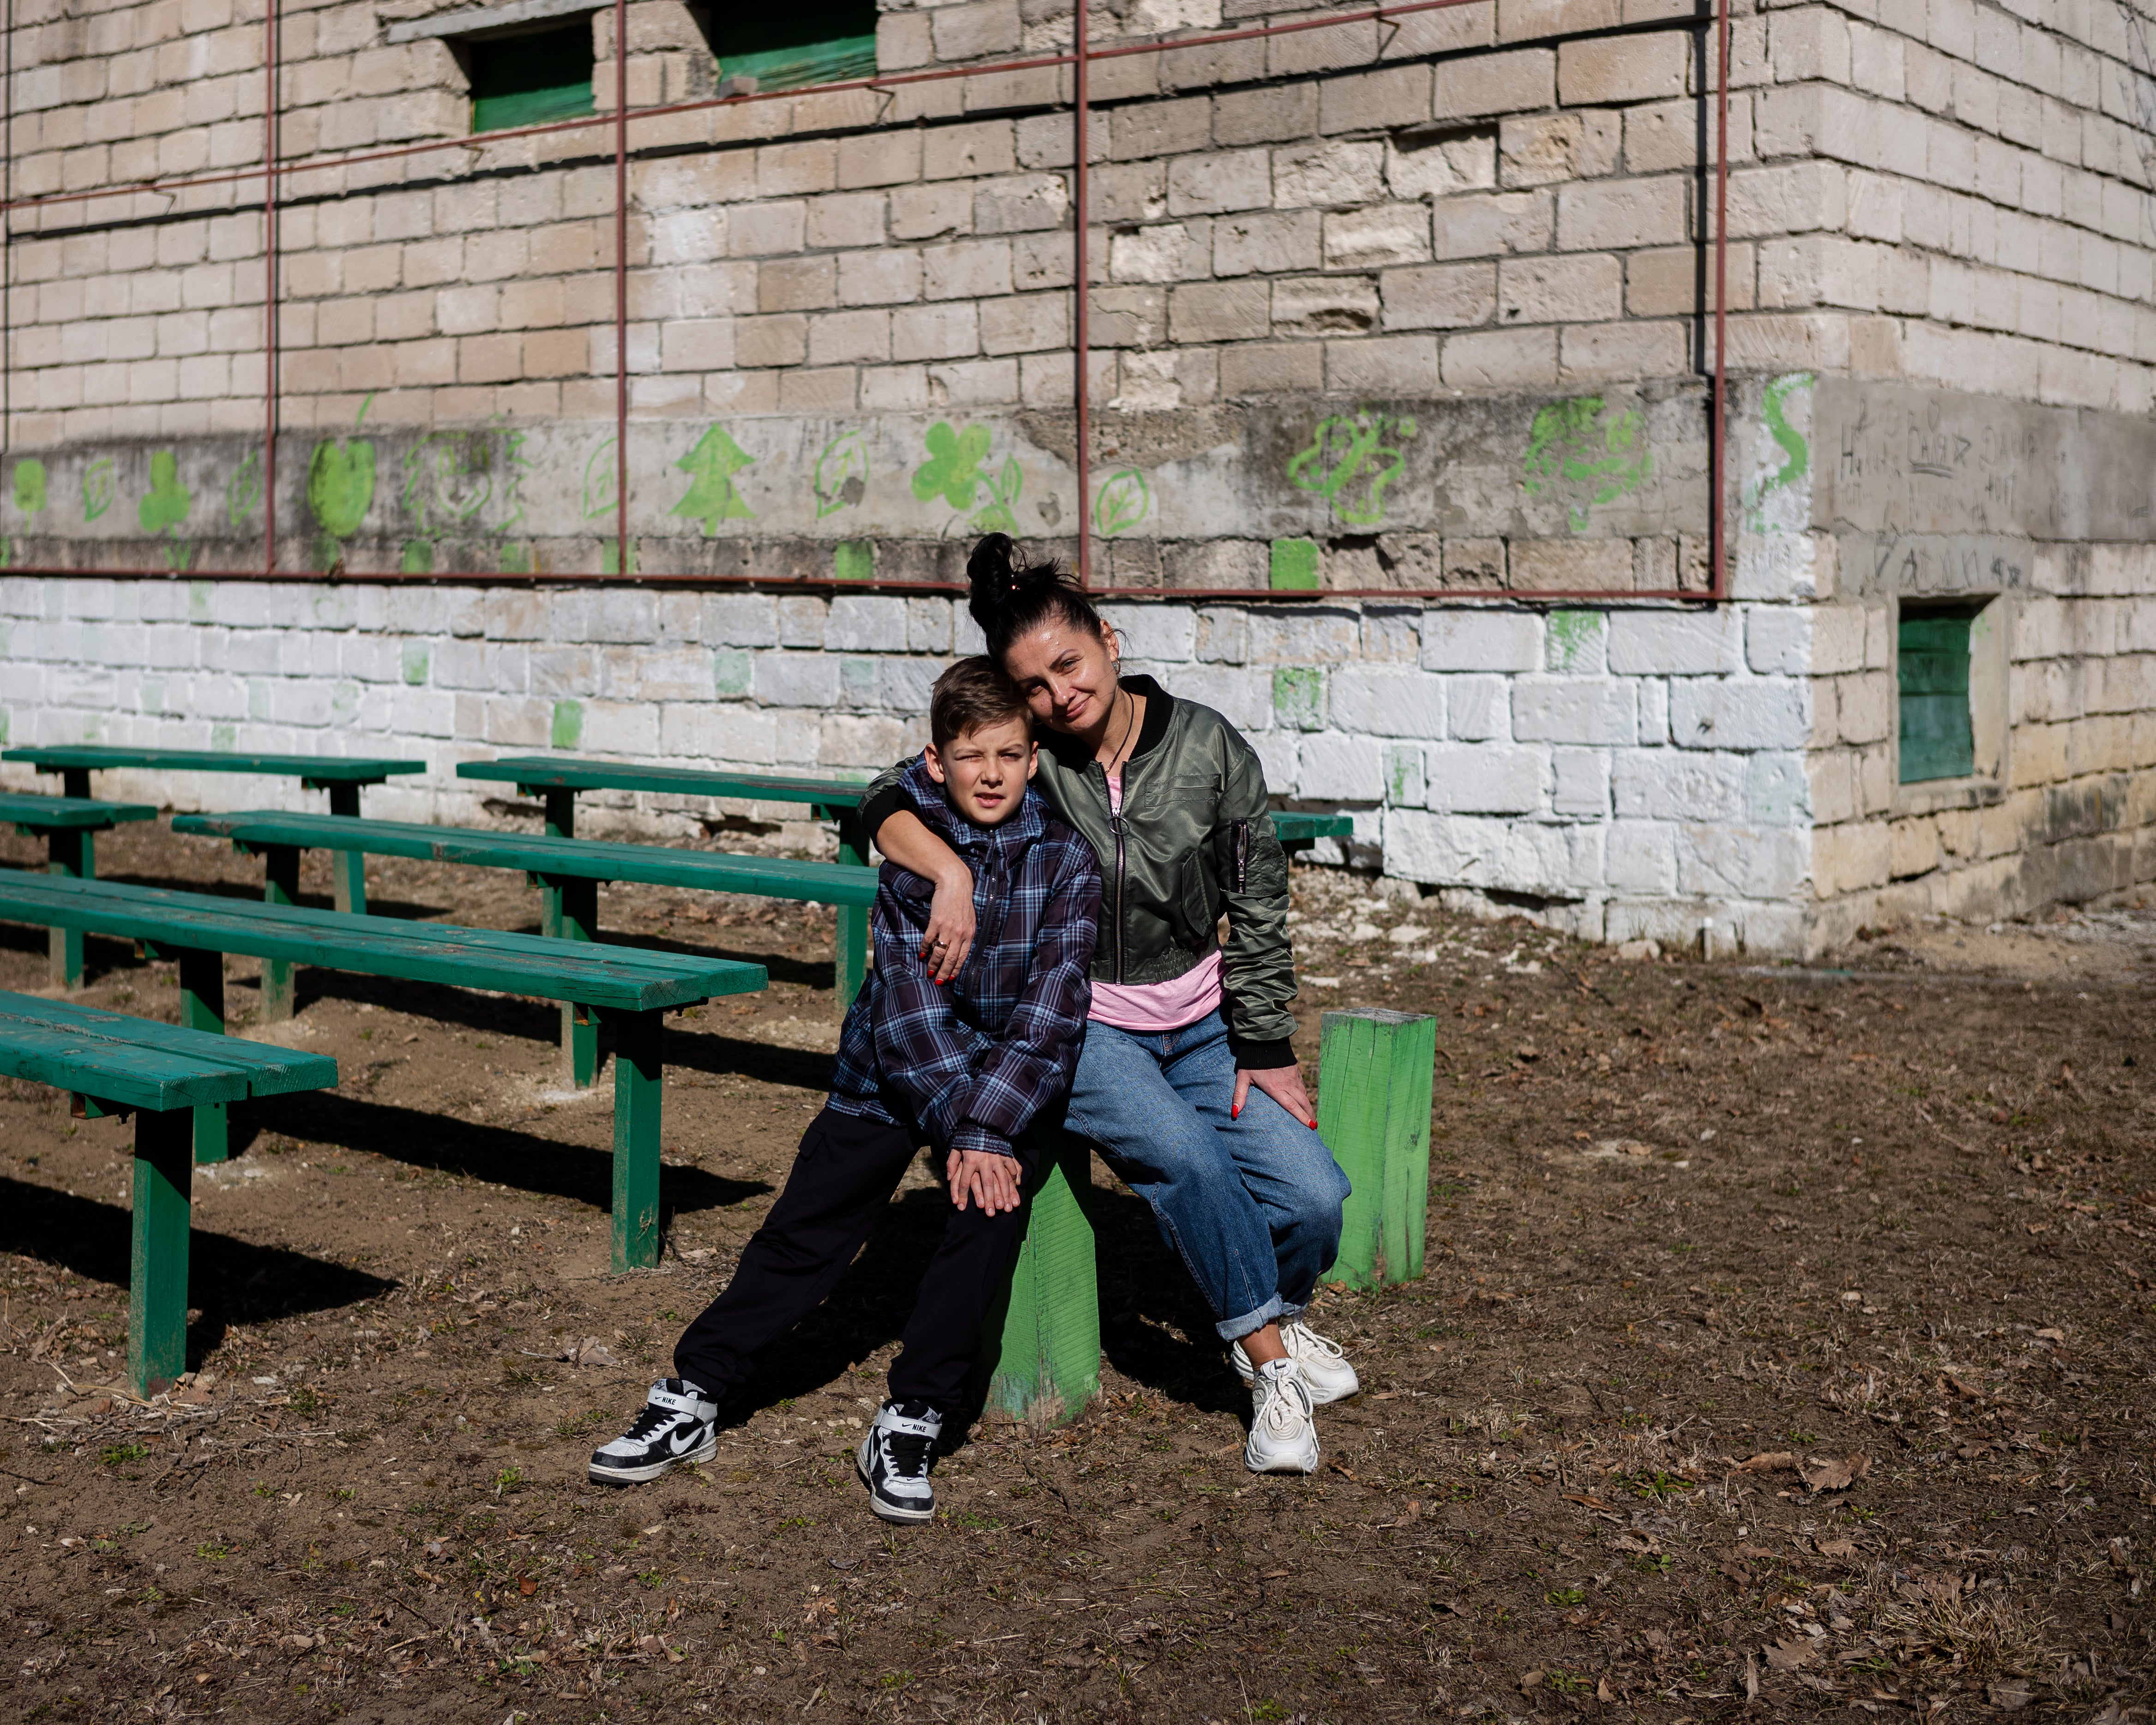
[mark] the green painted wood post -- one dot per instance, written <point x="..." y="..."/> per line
<point x="202" y="1008"/>
<point x="157" y="1298"/>
<point x="850" y="967"/>
<point x="72" y="853"/>
<point x="1046" y="1341"/>
<point x="576" y="906"/>
<point x="280" y="886"/>
<point x="1373" y="1098"/>
<point x="638" y="1078"/>
<point x="347" y="868"/>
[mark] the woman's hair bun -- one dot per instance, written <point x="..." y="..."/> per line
<point x="1011" y="593"/>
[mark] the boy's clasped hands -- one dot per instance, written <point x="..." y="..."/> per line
<point x="989" y="1180"/>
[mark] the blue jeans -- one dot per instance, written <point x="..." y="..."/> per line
<point x="1252" y="1206"/>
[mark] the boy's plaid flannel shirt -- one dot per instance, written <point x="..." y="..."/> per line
<point x="971" y="1063"/>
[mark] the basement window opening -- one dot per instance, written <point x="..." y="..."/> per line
<point x="819" y="42"/>
<point x="1938" y="738"/>
<point x="530" y="77"/>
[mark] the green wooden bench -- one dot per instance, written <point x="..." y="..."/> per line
<point x="632" y="987"/>
<point x="343" y="777"/>
<point x="113" y="1064"/>
<point x="570" y="870"/>
<point x="69" y="826"/>
<point x="1296" y="831"/>
<point x="556" y="779"/>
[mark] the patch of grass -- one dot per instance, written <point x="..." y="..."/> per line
<point x="118" y="1455"/>
<point x="211" y="1551"/>
<point x="509" y="1479"/>
<point x="1566" y="1596"/>
<point x="1655" y="1485"/>
<point x="576" y="1425"/>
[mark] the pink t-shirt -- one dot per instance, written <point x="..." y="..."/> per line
<point x="1150" y="1007"/>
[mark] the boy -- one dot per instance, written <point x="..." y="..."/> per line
<point x="967" y="1065"/>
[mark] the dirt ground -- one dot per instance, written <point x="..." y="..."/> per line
<point x="1784" y="1350"/>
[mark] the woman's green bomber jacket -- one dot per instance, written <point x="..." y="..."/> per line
<point x="1195" y="839"/>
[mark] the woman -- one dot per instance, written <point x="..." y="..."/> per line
<point x="1182" y="1030"/>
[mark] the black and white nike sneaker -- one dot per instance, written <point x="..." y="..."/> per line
<point x="893" y="1461"/>
<point x="677" y="1424"/>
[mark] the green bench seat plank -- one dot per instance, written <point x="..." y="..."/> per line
<point x="112" y="1063"/>
<point x="69" y="826"/>
<point x="1291" y="827"/>
<point x="556" y="779"/>
<point x="635" y="984"/>
<point x="343" y="776"/>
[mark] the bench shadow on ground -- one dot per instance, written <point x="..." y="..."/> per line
<point x="1154" y="1328"/>
<point x="501" y="1155"/>
<point x="230" y="1280"/>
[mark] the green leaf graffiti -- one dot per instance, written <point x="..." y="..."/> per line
<point x="842" y="474"/>
<point x="1121" y="502"/>
<point x="712" y="497"/>
<point x="1797" y="451"/>
<point x="1351" y="458"/>
<point x="243" y="491"/>
<point x="1585" y="453"/>
<point x="168" y="502"/>
<point x="101" y="485"/>
<point x="30" y="486"/>
<point x="601" y="481"/>
<point x="953" y="470"/>
<point x="340" y="482"/>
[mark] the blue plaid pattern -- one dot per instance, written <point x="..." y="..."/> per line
<point x="971" y="1064"/>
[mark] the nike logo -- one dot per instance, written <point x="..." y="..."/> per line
<point x="681" y="1440"/>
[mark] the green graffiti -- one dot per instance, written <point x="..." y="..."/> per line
<point x="30" y="486"/>
<point x="954" y="470"/>
<point x="1585" y="453"/>
<point x="225" y="738"/>
<point x="853" y="560"/>
<point x="1294" y="566"/>
<point x="1299" y="697"/>
<point x="340" y="483"/>
<point x="3" y="727"/>
<point x="610" y="558"/>
<point x="602" y="481"/>
<point x="417" y="558"/>
<point x="449" y="474"/>
<point x="842" y="474"/>
<point x="168" y="502"/>
<point x="1572" y="635"/>
<point x="516" y="465"/>
<point x="199" y="595"/>
<point x="1793" y="446"/>
<point x="101" y="485"/>
<point x="1350" y="462"/>
<point x="414" y="661"/>
<point x="1121" y="502"/>
<point x="733" y="672"/>
<point x="567" y="730"/>
<point x="712" y="497"/>
<point x="515" y="559"/>
<point x="243" y="491"/>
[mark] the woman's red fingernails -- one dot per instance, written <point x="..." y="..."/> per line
<point x="1235" y="1113"/>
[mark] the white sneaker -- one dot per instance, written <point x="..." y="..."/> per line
<point x="893" y="1458"/>
<point x="679" y="1424"/>
<point x="1324" y="1367"/>
<point x="1283" y="1434"/>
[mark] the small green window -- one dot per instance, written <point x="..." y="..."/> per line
<point x="531" y="79"/>
<point x="1937" y="741"/>
<point x="815" y="42"/>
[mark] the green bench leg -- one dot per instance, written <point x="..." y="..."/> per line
<point x="851" y="966"/>
<point x="202" y="1008"/>
<point x="73" y="854"/>
<point x="347" y="868"/>
<point x="577" y="911"/>
<point x="280" y="886"/>
<point x="636" y="1079"/>
<point x="561" y="823"/>
<point x="1373" y="1084"/>
<point x="1046" y="1343"/>
<point x="157" y="1302"/>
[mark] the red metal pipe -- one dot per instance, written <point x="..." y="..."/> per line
<point x="621" y="285"/>
<point x="269" y="302"/>
<point x="1081" y="108"/>
<point x="1717" y="506"/>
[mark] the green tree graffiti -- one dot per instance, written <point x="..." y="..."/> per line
<point x="954" y="470"/>
<point x="712" y="497"/>
<point x="1585" y="453"/>
<point x="1351" y="458"/>
<point x="340" y="489"/>
<point x="164" y="509"/>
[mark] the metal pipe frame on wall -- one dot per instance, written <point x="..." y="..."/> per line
<point x="1081" y="56"/>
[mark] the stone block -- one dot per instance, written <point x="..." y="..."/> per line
<point x="1219" y="312"/>
<point x="1579" y="783"/>
<point x="1741" y="862"/>
<point x="797" y="680"/>
<point x="1688" y="643"/>
<point x="1439" y="296"/>
<point x="1318" y="305"/>
<point x="1495" y="359"/>
<point x="1483" y="779"/>
<point x="1645" y="68"/>
<point x="1848" y="858"/>
<point x="976" y="28"/>
<point x="967" y="269"/>
<point x="1347" y="769"/>
<point x="1388" y="703"/>
<point x="1331" y="174"/>
<point x="1485" y="853"/>
<point x="866" y="624"/>
<point x="1624" y="353"/>
<point x="1507" y="82"/>
<point x="1373" y="237"/>
<point x="1429" y="163"/>
<point x="1261" y="117"/>
<point x="1777" y="640"/>
<point x="1561" y="290"/>
<point x="1547" y="149"/>
<point x="1020" y="202"/>
<point x="1382" y="365"/>
<point x="1218" y="183"/>
<point x="1621" y="215"/>
<point x="1574" y="709"/>
<point x="1642" y="857"/>
<point x="1678" y="784"/>
<point x="1395" y="97"/>
<point x="1266" y="243"/>
<point x="1706" y="713"/>
<point x="1777" y="790"/>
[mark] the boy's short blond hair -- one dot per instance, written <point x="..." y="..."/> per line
<point x="972" y="693"/>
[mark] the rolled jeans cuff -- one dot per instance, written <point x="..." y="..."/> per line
<point x="1234" y="1329"/>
